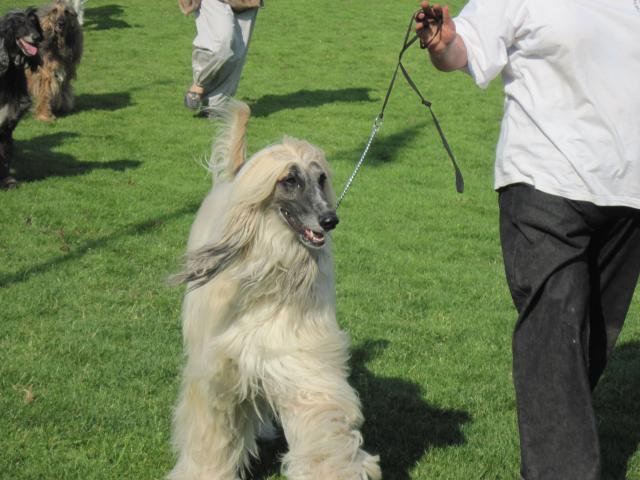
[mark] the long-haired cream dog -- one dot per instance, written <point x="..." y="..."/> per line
<point x="259" y="321"/>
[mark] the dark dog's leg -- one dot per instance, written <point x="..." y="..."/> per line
<point x="66" y="98"/>
<point x="6" y="150"/>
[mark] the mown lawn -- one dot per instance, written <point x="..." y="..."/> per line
<point x="90" y="346"/>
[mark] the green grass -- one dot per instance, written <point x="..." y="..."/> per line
<point x="90" y="346"/>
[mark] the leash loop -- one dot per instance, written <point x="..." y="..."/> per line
<point x="377" y="124"/>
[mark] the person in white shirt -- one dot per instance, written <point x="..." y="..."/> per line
<point x="568" y="175"/>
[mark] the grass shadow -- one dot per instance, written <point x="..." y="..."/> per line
<point x="384" y="148"/>
<point x="105" y="17"/>
<point x="399" y="425"/>
<point x="102" y="101"/>
<point x="616" y="403"/>
<point x="36" y="159"/>
<point x="269" y="104"/>
<point x="79" y="251"/>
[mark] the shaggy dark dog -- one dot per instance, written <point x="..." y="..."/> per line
<point x="61" y="50"/>
<point x="20" y="35"/>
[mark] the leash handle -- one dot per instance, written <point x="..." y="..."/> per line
<point x="443" y="138"/>
<point x="437" y="17"/>
<point x="377" y="124"/>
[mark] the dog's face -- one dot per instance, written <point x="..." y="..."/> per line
<point x="302" y="198"/>
<point x="26" y="31"/>
<point x="59" y="19"/>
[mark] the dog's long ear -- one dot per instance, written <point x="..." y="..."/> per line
<point x="5" y="60"/>
<point x="203" y="264"/>
<point x="230" y="146"/>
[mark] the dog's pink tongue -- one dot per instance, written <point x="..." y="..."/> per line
<point x="28" y="48"/>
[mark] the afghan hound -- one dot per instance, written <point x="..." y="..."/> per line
<point x="20" y="35"/>
<point x="61" y="51"/>
<point x="259" y="320"/>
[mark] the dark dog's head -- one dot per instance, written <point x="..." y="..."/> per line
<point x="21" y="33"/>
<point x="60" y="24"/>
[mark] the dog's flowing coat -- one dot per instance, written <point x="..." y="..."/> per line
<point x="61" y="51"/>
<point x="259" y="322"/>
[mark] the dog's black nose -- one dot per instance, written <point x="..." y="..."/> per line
<point x="328" y="221"/>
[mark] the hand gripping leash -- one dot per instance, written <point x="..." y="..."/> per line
<point x="377" y="124"/>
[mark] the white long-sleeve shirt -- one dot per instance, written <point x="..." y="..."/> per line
<point x="571" y="74"/>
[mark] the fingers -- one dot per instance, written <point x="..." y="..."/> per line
<point x="430" y="15"/>
<point x="445" y="13"/>
<point x="420" y="16"/>
<point x="430" y="12"/>
<point x="434" y="11"/>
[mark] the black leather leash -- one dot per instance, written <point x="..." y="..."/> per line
<point x="377" y="124"/>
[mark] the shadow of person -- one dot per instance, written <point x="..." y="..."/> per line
<point x="104" y="18"/>
<point x="102" y="101"/>
<point x="36" y="159"/>
<point x="399" y="425"/>
<point x="617" y="405"/>
<point x="268" y="104"/>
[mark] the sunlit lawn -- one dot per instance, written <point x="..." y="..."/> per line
<point x="90" y="345"/>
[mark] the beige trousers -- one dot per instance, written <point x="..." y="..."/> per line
<point x="220" y="49"/>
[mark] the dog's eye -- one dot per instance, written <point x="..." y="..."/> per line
<point x="322" y="180"/>
<point x="291" y="181"/>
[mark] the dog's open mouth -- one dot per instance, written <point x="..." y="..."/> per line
<point x="307" y="236"/>
<point x="29" y="49"/>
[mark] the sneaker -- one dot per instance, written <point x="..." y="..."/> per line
<point x="193" y="100"/>
<point x="9" y="183"/>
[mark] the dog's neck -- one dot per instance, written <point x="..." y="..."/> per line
<point x="293" y="270"/>
<point x="276" y="268"/>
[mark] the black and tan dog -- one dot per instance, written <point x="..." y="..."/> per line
<point x="20" y="36"/>
<point x="61" y="51"/>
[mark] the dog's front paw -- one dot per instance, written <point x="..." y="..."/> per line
<point x="43" y="117"/>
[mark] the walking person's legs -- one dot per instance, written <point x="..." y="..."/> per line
<point x="225" y="83"/>
<point x="558" y="258"/>
<point x="219" y="53"/>
<point x="212" y="47"/>
<point x="616" y="260"/>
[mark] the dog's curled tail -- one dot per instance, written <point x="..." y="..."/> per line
<point x="230" y="145"/>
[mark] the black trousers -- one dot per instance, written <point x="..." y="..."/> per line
<point x="572" y="268"/>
